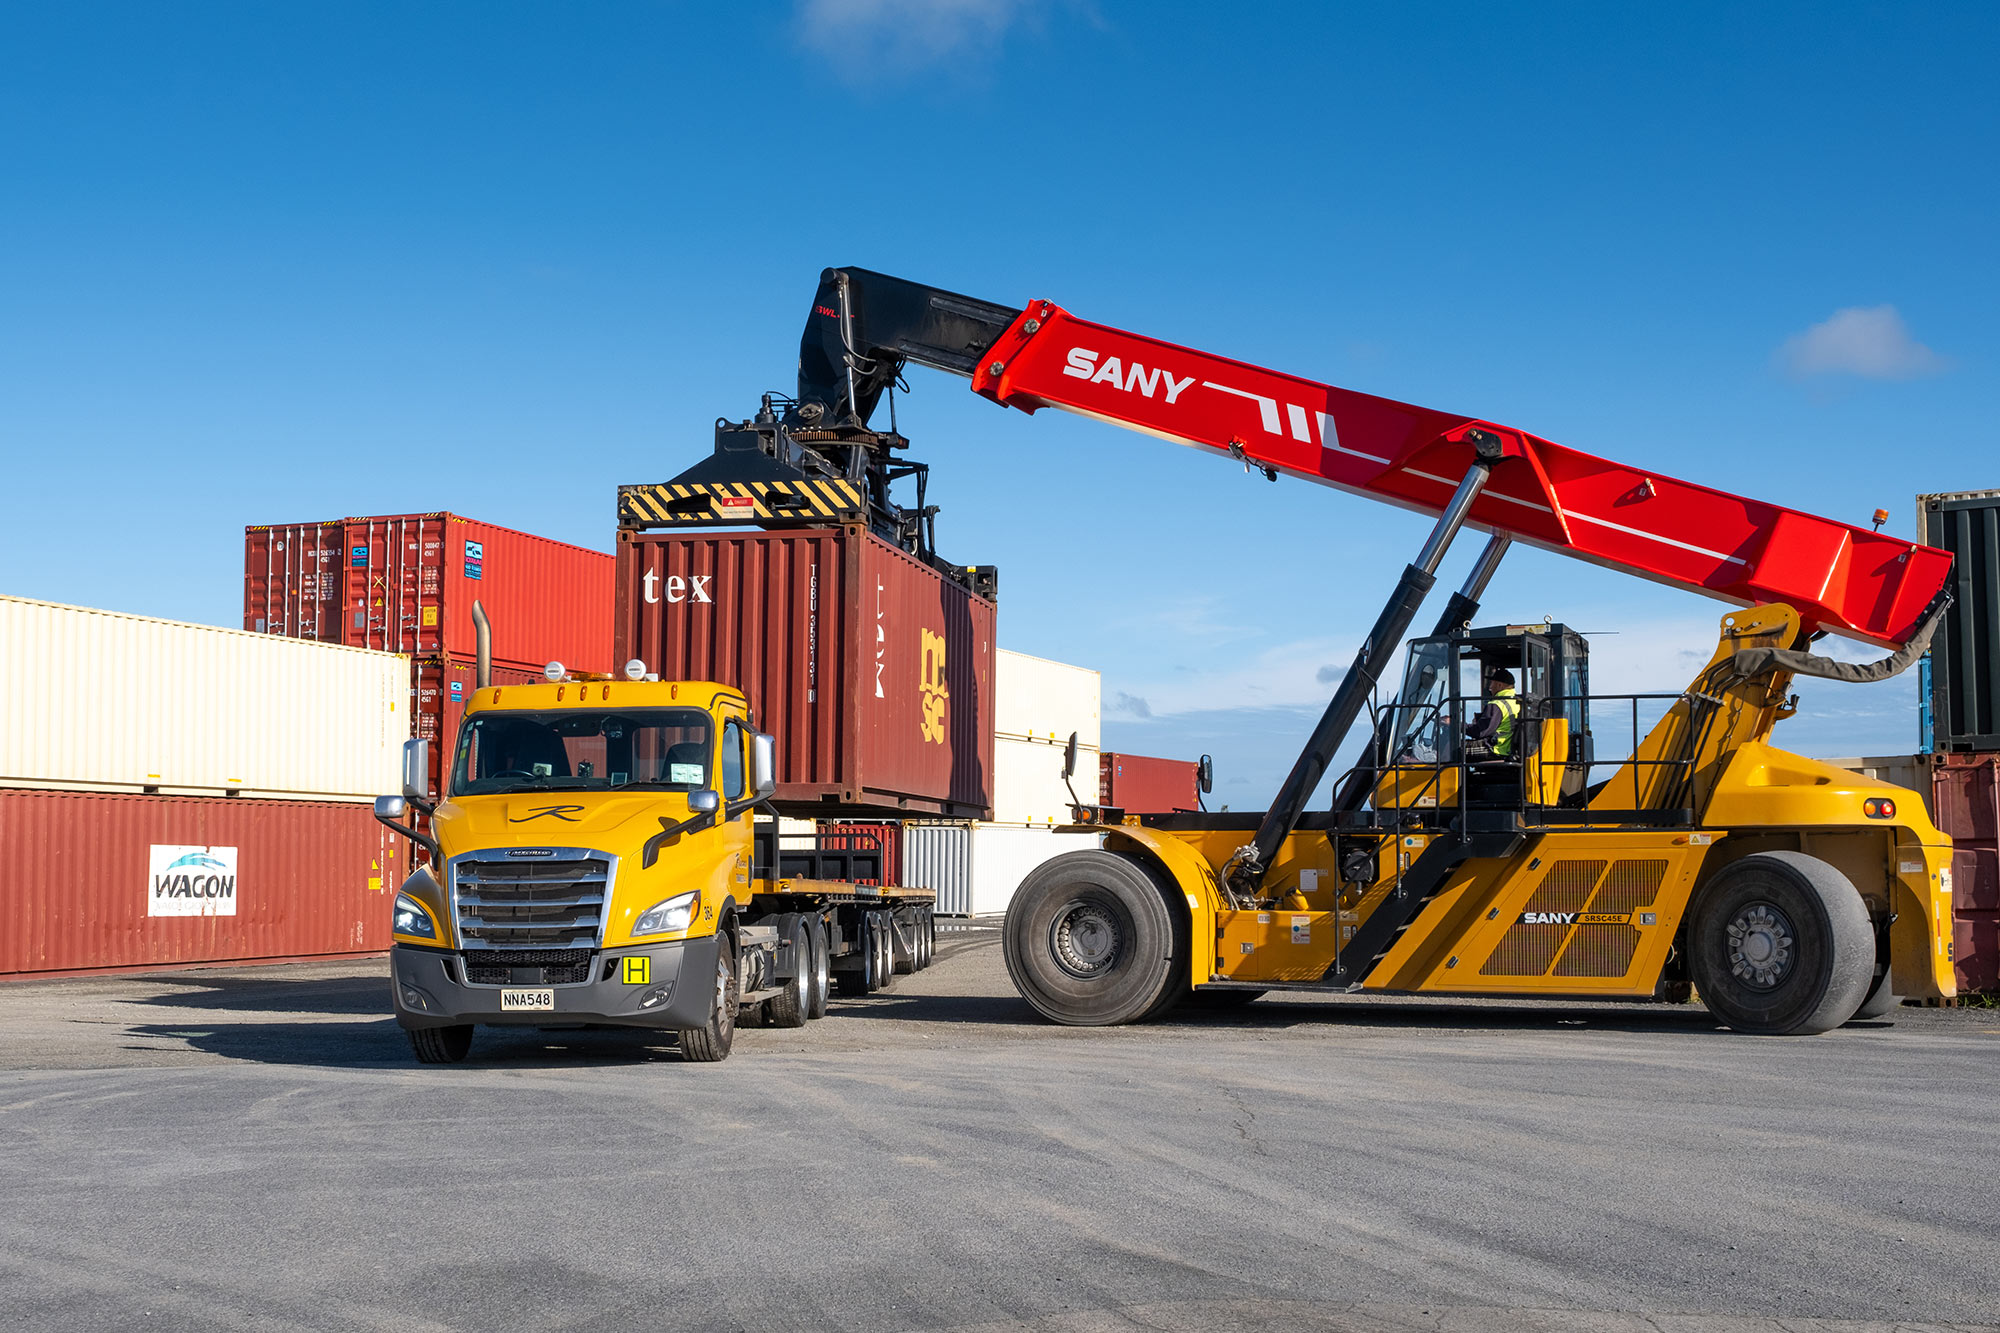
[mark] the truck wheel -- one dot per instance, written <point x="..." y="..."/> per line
<point x="788" y="1009"/>
<point x="1780" y="945"/>
<point x="882" y="941"/>
<point x="859" y="980"/>
<point x="1089" y="940"/>
<point x="905" y="959"/>
<point x="816" y="933"/>
<point x="442" y="1046"/>
<point x="711" y="1041"/>
<point x="1882" y="998"/>
<point x="926" y="937"/>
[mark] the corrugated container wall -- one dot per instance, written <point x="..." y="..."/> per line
<point x="100" y="880"/>
<point x="1965" y="658"/>
<point x="406" y="583"/>
<point x="1028" y="785"/>
<point x="975" y="868"/>
<point x="1142" y="784"/>
<point x="1036" y="699"/>
<point x="98" y="699"/>
<point x="1967" y="800"/>
<point x="439" y="688"/>
<point x="874" y="673"/>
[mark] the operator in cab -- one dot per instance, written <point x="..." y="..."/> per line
<point x="1493" y="728"/>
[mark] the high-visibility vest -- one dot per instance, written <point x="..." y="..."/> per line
<point x="1509" y="705"/>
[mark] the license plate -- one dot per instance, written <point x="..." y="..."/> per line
<point x="544" y="999"/>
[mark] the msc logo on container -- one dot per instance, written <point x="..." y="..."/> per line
<point x="931" y="679"/>
<point x="191" y="881"/>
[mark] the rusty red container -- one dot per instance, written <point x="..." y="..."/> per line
<point x="439" y="688"/>
<point x="874" y="672"/>
<point x="405" y="583"/>
<point x="883" y="838"/>
<point x="100" y="881"/>
<point x="1142" y="784"/>
<point x="1965" y="790"/>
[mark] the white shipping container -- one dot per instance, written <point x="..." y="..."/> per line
<point x="100" y="700"/>
<point x="975" y="868"/>
<point x="1036" y="699"/>
<point x="1028" y="785"/>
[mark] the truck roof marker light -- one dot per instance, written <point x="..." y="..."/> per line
<point x="635" y="670"/>
<point x="553" y="672"/>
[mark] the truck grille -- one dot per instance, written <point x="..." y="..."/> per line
<point x="552" y="901"/>
<point x="527" y="967"/>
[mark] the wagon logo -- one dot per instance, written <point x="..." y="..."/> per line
<point x="191" y="881"/>
<point x="936" y="696"/>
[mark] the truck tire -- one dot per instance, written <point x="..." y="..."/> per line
<point x="442" y="1046"/>
<point x="821" y="972"/>
<point x="789" y="1008"/>
<point x="1882" y="998"/>
<point x="926" y="937"/>
<point x="859" y="980"/>
<point x="1090" y="941"/>
<point x="711" y="1041"/>
<point x="906" y="959"/>
<point x="1780" y="945"/>
<point x="882" y="954"/>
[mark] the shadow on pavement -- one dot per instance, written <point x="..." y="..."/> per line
<point x="381" y="1042"/>
<point x="258" y="995"/>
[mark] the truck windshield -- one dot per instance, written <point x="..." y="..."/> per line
<point x="652" y="749"/>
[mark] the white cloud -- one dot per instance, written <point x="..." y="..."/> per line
<point x="1869" y="341"/>
<point x="865" y="36"/>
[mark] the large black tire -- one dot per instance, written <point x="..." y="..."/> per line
<point x="906" y="959"/>
<point x="821" y="976"/>
<point x="791" y="1008"/>
<point x="711" y="1041"/>
<point x="1090" y="941"/>
<point x="860" y="980"/>
<point x="1882" y="998"/>
<point x="1780" y="945"/>
<point x="442" y="1046"/>
<point x="882" y="939"/>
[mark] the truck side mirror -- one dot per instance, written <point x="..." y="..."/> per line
<point x="1205" y="773"/>
<point x="763" y="764"/>
<point x="704" y="802"/>
<point x="1069" y="758"/>
<point x="391" y="808"/>
<point x="417" y="769"/>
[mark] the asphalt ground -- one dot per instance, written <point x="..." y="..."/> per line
<point x="256" y="1149"/>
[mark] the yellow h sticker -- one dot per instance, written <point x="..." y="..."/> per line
<point x="638" y="971"/>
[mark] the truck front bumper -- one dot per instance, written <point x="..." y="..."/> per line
<point x="430" y="989"/>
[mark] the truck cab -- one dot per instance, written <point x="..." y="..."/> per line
<point x="594" y="860"/>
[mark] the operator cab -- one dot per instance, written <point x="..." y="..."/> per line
<point x="1430" y="756"/>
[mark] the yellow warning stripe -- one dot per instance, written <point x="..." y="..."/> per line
<point x="832" y="500"/>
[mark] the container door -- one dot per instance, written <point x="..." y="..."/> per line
<point x="938" y="857"/>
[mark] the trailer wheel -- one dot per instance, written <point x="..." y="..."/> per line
<point x="821" y="978"/>
<point x="711" y="1041"/>
<point x="442" y="1046"/>
<point x="924" y="938"/>
<point x="789" y="1008"/>
<point x="1089" y="940"/>
<point x="882" y="939"/>
<point x="906" y="960"/>
<point x="1780" y="945"/>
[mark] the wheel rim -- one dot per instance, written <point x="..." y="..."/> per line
<point x="802" y="979"/>
<point x="1086" y="939"/>
<point x="1763" y="946"/>
<point x="725" y="992"/>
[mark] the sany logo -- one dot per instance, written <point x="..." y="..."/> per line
<point x="1547" y="918"/>
<point x="693" y="588"/>
<point x="1082" y="363"/>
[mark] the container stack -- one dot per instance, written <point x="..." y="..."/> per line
<point x="1963" y="716"/>
<point x="975" y="867"/>
<point x="174" y="793"/>
<point x="405" y="583"/>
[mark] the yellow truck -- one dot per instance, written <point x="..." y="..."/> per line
<point x="602" y="855"/>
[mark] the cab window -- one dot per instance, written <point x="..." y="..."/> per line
<point x="732" y="761"/>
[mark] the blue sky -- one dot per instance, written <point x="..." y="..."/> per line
<point x="265" y="263"/>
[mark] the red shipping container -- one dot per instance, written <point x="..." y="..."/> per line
<point x="886" y="839"/>
<point x="405" y="583"/>
<point x="439" y="689"/>
<point x="1140" y="784"/>
<point x="1965" y="790"/>
<point x="874" y="672"/>
<point x="99" y="881"/>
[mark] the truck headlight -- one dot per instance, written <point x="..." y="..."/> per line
<point x="412" y="919"/>
<point x="675" y="913"/>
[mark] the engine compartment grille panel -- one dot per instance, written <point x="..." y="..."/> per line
<point x="551" y="901"/>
